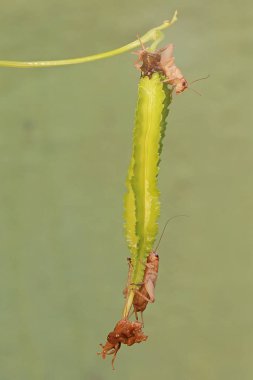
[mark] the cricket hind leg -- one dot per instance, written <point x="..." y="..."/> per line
<point x="137" y="319"/>
<point x="142" y="295"/>
<point x="115" y="354"/>
<point x="142" y="319"/>
<point x="136" y="316"/>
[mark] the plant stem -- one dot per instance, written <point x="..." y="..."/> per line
<point x="152" y="35"/>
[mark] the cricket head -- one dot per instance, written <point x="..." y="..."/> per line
<point x="181" y="85"/>
<point x="153" y="257"/>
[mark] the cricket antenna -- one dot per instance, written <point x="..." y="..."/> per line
<point x="197" y="80"/>
<point x="164" y="228"/>
<point x="196" y="92"/>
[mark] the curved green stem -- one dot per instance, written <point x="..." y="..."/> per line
<point x="159" y="38"/>
<point x="152" y="35"/>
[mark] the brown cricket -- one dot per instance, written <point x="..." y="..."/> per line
<point x="162" y="60"/>
<point x="125" y="332"/>
<point x="146" y="293"/>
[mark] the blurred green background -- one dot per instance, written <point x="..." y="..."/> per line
<point x="65" y="147"/>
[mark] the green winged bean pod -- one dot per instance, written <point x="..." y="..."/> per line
<point x="142" y="204"/>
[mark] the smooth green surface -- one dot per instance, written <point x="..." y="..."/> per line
<point x="65" y="146"/>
